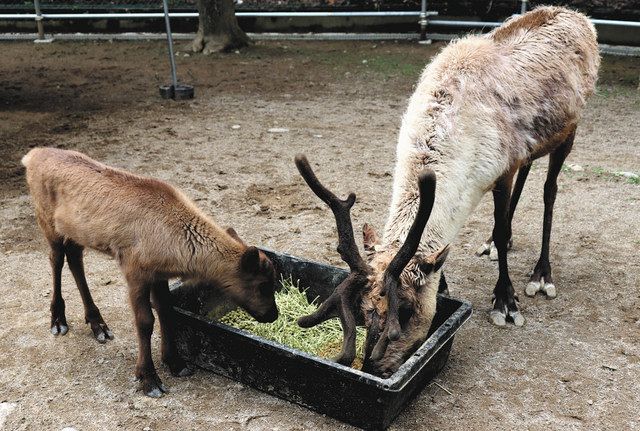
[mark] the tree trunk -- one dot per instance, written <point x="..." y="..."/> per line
<point x="218" y="28"/>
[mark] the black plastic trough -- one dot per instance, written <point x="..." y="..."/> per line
<point x="341" y="392"/>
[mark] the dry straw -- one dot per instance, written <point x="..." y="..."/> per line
<point x="323" y="340"/>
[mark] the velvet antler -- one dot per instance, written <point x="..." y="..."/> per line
<point x="391" y="332"/>
<point x="346" y="297"/>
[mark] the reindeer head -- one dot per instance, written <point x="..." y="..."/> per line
<point x="255" y="282"/>
<point x="383" y="294"/>
<point x="416" y="290"/>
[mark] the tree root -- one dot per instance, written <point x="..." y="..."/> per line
<point x="208" y="44"/>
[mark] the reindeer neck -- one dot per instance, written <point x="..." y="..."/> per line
<point x="210" y="253"/>
<point x="460" y="186"/>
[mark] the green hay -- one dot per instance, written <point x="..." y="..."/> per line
<point x="323" y="340"/>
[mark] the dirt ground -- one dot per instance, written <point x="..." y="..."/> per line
<point x="574" y="365"/>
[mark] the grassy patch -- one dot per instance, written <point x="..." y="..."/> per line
<point x="634" y="180"/>
<point x="379" y="61"/>
<point x="600" y="172"/>
<point x="323" y="340"/>
<point x="393" y="65"/>
<point x="616" y="176"/>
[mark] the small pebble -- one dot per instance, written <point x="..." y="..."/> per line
<point x="317" y="136"/>
<point x="235" y="126"/>
<point x="576" y="168"/>
<point x="278" y="130"/>
<point x="5" y="410"/>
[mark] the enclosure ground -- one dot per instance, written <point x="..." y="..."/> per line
<point x="574" y="365"/>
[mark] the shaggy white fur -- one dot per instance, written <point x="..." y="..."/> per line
<point x="483" y="107"/>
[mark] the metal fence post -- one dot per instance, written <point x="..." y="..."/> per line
<point x="39" y="24"/>
<point x="423" y="20"/>
<point x="174" y="91"/>
<point x="172" y="61"/>
<point x="523" y="7"/>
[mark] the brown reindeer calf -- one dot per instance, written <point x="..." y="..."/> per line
<point x="155" y="233"/>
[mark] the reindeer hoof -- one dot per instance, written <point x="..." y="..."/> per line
<point x="59" y="326"/>
<point x="506" y="310"/>
<point x="498" y="318"/>
<point x="483" y="249"/>
<point x="152" y="386"/>
<point x="517" y="317"/>
<point x="185" y="372"/>
<point x="550" y="290"/>
<point x="488" y="248"/>
<point x="59" y="329"/>
<point x="177" y="366"/>
<point x="154" y="393"/>
<point x="101" y="332"/>
<point x="532" y="288"/>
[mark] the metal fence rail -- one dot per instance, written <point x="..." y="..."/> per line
<point x="423" y="15"/>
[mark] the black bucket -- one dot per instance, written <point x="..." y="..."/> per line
<point x="344" y="393"/>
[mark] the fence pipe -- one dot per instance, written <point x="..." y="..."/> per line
<point x="39" y="23"/>
<point x="148" y="15"/>
<point x="523" y="7"/>
<point x="615" y="22"/>
<point x="172" y="60"/>
<point x="455" y="23"/>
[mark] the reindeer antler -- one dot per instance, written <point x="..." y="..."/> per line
<point x="346" y="295"/>
<point x="346" y="243"/>
<point x="391" y="332"/>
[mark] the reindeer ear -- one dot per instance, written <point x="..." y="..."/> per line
<point x="369" y="237"/>
<point x="233" y="234"/>
<point x="434" y="261"/>
<point x="250" y="260"/>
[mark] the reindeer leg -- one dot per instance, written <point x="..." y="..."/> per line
<point x="541" y="278"/>
<point x="139" y="294"/>
<point x="92" y="314"/>
<point x="58" y="319"/>
<point x="161" y="300"/>
<point x="504" y="305"/>
<point x="489" y="247"/>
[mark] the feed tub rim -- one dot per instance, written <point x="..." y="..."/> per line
<point x="397" y="381"/>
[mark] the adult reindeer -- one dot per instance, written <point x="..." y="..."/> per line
<point x="484" y="108"/>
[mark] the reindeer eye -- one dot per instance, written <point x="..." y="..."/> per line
<point x="405" y="313"/>
<point x="265" y="288"/>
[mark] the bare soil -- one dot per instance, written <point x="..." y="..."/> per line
<point x="574" y="365"/>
